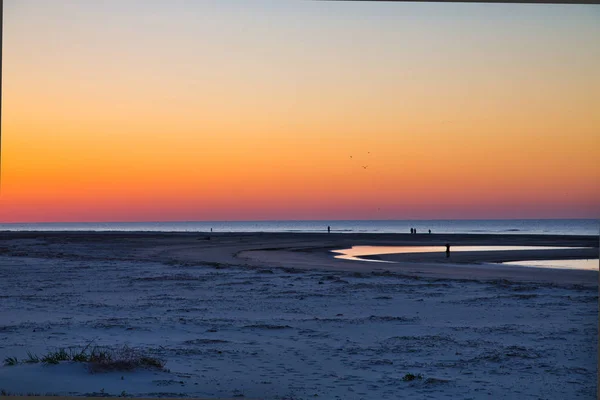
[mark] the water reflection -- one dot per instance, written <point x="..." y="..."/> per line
<point x="360" y="251"/>
<point x="592" y="264"/>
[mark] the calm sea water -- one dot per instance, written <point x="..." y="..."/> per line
<point x="517" y="226"/>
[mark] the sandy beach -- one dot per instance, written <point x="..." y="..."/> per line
<point x="313" y="251"/>
<point x="276" y="316"/>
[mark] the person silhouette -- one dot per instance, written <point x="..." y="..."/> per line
<point x="447" y="250"/>
<point x="328" y="229"/>
<point x="430" y="231"/>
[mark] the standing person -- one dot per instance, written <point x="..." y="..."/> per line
<point x="430" y="231"/>
<point x="328" y="229"/>
<point x="447" y="250"/>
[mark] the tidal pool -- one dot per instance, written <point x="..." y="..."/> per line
<point x="356" y="252"/>
<point x="591" y="264"/>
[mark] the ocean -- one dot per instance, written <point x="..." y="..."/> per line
<point x="488" y="226"/>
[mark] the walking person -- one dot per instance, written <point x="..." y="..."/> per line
<point x="447" y="250"/>
<point x="328" y="229"/>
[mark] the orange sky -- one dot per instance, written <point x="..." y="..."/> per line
<point x="129" y="113"/>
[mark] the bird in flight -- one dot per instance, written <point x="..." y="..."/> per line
<point x="365" y="166"/>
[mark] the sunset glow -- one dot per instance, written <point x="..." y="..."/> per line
<point x="159" y="111"/>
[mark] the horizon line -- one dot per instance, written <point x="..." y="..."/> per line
<point x="299" y="220"/>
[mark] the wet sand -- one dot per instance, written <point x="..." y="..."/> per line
<point x="313" y="251"/>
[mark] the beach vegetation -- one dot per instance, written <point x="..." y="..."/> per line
<point x="123" y="359"/>
<point x="32" y="358"/>
<point x="9" y="361"/>
<point x="54" y="357"/>
<point x="411" y="377"/>
<point x="98" y="359"/>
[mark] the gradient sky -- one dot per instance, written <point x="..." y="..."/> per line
<point x="129" y="110"/>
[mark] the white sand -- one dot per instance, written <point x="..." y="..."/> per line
<point x="286" y="333"/>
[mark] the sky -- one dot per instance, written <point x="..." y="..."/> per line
<point x="233" y="110"/>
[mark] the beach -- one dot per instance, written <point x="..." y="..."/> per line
<point x="277" y="316"/>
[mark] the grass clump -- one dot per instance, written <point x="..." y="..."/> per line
<point x="411" y="377"/>
<point x="98" y="359"/>
<point x="152" y="362"/>
<point x="123" y="359"/>
<point x="54" y="357"/>
<point x="80" y="357"/>
<point x="9" y="361"/>
<point x="32" y="358"/>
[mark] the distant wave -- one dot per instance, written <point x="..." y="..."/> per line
<point x="494" y="231"/>
<point x="315" y="230"/>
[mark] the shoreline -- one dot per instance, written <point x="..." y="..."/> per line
<point x="313" y="251"/>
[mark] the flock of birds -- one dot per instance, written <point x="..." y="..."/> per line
<point x="364" y="166"/>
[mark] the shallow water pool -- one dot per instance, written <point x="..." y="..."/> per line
<point x="356" y="252"/>
<point x="591" y="264"/>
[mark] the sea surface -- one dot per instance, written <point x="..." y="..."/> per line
<point x="514" y="226"/>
